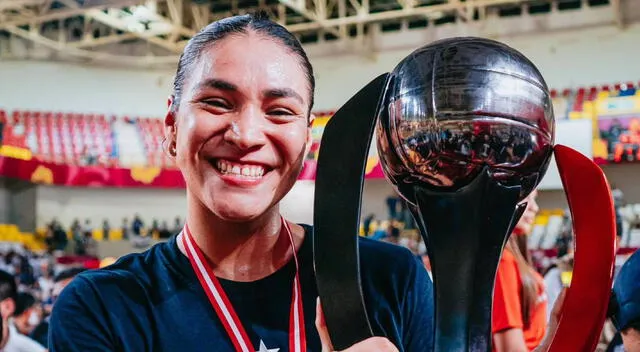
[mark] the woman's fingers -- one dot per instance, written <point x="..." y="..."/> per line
<point x="321" y="326"/>
<point x="372" y="344"/>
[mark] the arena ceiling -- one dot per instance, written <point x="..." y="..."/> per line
<point x="157" y="30"/>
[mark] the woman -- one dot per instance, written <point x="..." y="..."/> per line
<point x="519" y="302"/>
<point x="238" y="126"/>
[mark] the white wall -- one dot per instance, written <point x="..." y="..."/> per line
<point x="114" y="204"/>
<point x="75" y="88"/>
<point x="572" y="57"/>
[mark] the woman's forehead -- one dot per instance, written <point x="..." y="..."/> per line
<point x="250" y="61"/>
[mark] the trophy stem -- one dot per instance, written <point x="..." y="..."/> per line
<point x="465" y="232"/>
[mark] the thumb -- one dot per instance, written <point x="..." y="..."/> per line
<point x="321" y="326"/>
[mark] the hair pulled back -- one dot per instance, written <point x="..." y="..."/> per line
<point x="218" y="30"/>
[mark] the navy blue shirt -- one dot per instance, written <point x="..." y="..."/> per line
<point x="153" y="301"/>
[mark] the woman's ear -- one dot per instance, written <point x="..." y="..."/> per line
<point x="309" y="142"/>
<point x="7" y="307"/>
<point x="170" y="126"/>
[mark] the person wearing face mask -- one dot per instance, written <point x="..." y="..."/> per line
<point x="519" y="300"/>
<point x="12" y="339"/>
<point x="27" y="315"/>
<point x="41" y="332"/>
<point x="239" y="276"/>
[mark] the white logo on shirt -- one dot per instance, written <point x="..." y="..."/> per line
<point x="264" y="348"/>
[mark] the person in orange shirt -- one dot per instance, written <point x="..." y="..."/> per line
<point x="519" y="299"/>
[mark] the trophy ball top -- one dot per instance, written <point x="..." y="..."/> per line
<point x="458" y="106"/>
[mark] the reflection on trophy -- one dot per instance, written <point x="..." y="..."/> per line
<point x="465" y="131"/>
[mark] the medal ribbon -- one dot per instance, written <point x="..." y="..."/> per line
<point x="224" y="309"/>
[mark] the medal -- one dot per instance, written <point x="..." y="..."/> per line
<point x="224" y="309"/>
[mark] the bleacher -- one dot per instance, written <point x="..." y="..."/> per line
<point x="67" y="137"/>
<point x="57" y="137"/>
<point x="152" y="134"/>
<point x="550" y="224"/>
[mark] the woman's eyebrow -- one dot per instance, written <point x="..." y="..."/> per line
<point x="282" y="93"/>
<point x="217" y="84"/>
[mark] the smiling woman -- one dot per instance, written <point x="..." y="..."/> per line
<point x="239" y="277"/>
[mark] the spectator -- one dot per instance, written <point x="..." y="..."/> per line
<point x="125" y="228"/>
<point x="155" y="228"/>
<point x="106" y="229"/>
<point x="164" y="230"/>
<point x="12" y="340"/>
<point x="41" y="332"/>
<point x="87" y="229"/>
<point x="553" y="279"/>
<point x="137" y="225"/>
<point x="60" y="238"/>
<point x="28" y="313"/>
<point x="45" y="281"/>
<point x="366" y="224"/>
<point x="519" y="302"/>
<point x="625" y="305"/>
<point x="90" y="245"/>
<point x="393" y="233"/>
<point x="392" y="207"/>
<point x="177" y="225"/>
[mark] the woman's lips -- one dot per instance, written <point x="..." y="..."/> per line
<point x="238" y="169"/>
<point x="240" y="174"/>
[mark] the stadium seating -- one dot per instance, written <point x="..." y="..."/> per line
<point x="152" y="134"/>
<point x="61" y="138"/>
<point x="71" y="138"/>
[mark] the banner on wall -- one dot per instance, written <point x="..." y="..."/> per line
<point x="618" y="129"/>
<point x="40" y="172"/>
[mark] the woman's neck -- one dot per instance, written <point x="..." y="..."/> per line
<point x="245" y="251"/>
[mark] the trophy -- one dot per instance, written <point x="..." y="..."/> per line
<point x="465" y="131"/>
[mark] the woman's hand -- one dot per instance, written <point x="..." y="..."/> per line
<point x="553" y="323"/>
<point x="372" y="344"/>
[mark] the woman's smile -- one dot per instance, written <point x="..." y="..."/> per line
<point x="240" y="173"/>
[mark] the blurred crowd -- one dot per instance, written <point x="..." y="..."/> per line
<point x="80" y="237"/>
<point x="29" y="285"/>
<point x="528" y="283"/>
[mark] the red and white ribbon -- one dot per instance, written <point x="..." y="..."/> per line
<point x="224" y="309"/>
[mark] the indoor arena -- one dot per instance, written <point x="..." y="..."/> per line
<point x="320" y="175"/>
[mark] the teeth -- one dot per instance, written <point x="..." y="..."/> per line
<point x="249" y="171"/>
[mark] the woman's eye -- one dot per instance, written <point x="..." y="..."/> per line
<point x="280" y="112"/>
<point x="218" y="103"/>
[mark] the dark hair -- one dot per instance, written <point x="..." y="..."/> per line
<point x="67" y="274"/>
<point x="634" y="325"/>
<point x="218" y="30"/>
<point x="8" y="286"/>
<point x="24" y="301"/>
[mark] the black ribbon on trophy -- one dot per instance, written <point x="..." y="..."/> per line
<point x="429" y="115"/>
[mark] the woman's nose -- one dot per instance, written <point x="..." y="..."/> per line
<point x="246" y="130"/>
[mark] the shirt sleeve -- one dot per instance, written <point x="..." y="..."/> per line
<point x="506" y="298"/>
<point x="24" y="343"/>
<point x="418" y="309"/>
<point x="79" y="320"/>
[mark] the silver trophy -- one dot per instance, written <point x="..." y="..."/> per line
<point x="465" y="131"/>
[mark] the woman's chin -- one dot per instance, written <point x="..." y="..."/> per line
<point x="239" y="214"/>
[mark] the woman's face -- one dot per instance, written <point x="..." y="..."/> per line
<point x="525" y="224"/>
<point x="242" y="127"/>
